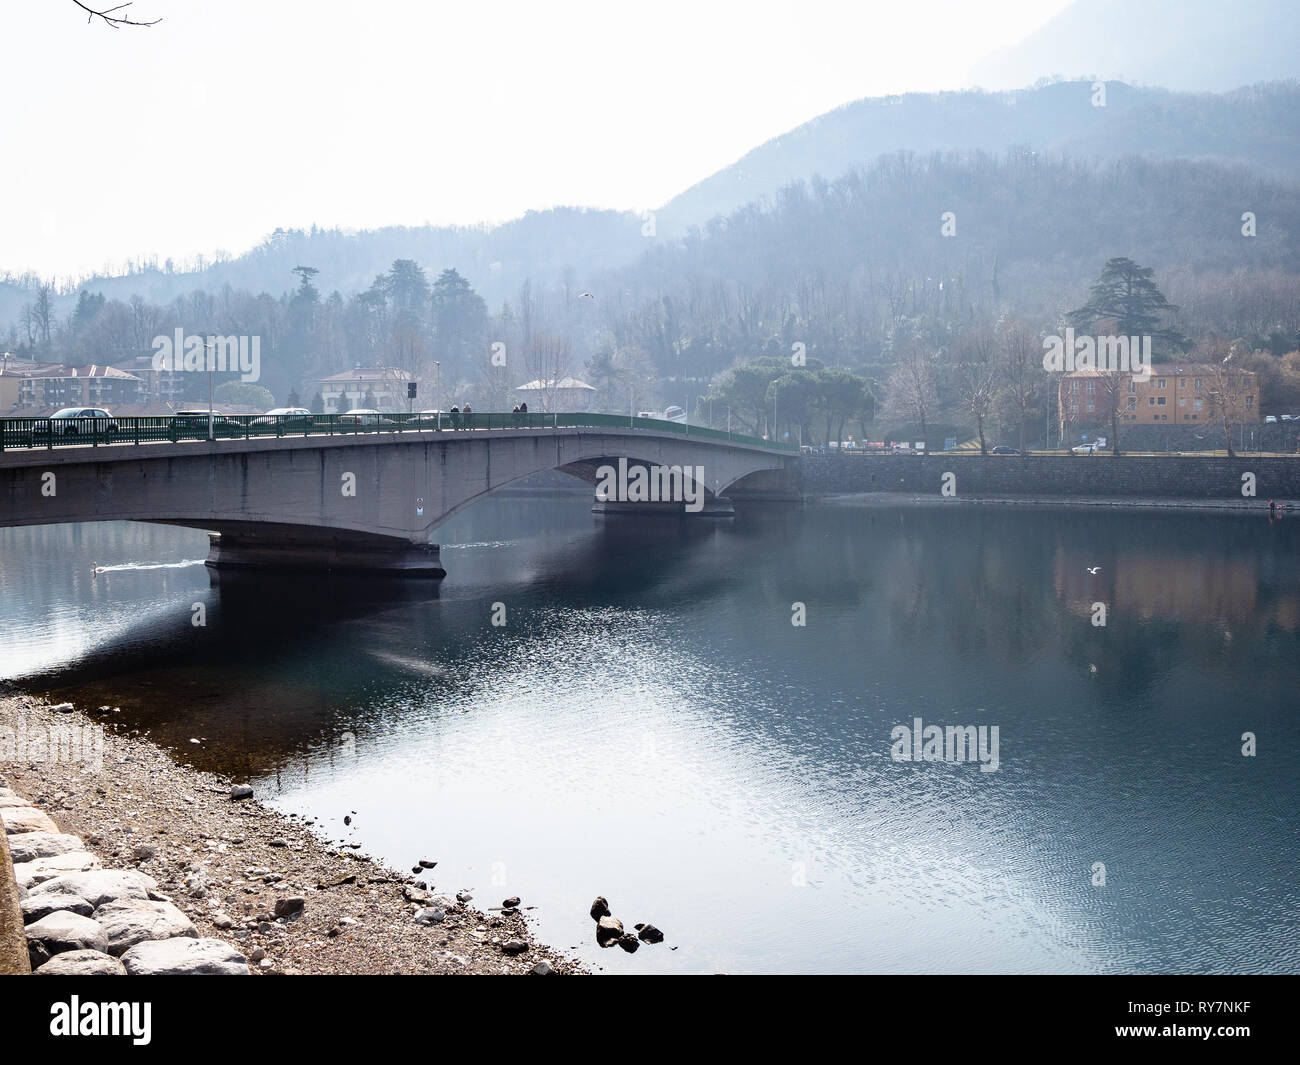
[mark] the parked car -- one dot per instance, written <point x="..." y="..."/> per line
<point x="903" y="449"/>
<point x="1085" y="449"/>
<point x="1270" y="419"/>
<point x="429" y="416"/>
<point x="286" y="418"/>
<point x="364" y="417"/>
<point x="193" y="425"/>
<point x="76" y="421"/>
<point x="1003" y="449"/>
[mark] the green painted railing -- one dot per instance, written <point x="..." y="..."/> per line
<point x="50" y="432"/>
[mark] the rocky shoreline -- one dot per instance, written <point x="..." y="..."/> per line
<point x="259" y="881"/>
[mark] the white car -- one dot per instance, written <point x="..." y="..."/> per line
<point x="286" y="418"/>
<point x="1085" y="449"/>
<point x="73" y="421"/>
<point x="364" y="416"/>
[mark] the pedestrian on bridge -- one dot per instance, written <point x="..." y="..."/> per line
<point x="469" y="416"/>
<point x="455" y="416"/>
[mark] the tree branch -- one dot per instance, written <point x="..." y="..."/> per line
<point x="111" y="20"/>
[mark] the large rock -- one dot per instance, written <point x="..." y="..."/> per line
<point x="82" y="963"/>
<point x="134" y="921"/>
<point x="28" y="846"/>
<point x="100" y="885"/>
<point x="184" y="957"/>
<point x="61" y="932"/>
<point x="648" y="933"/>
<point x="26" y="819"/>
<point x="37" y="906"/>
<point x="608" y="930"/>
<point x="9" y="800"/>
<point x="30" y="874"/>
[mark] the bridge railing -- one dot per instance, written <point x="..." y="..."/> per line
<point x="49" y="432"/>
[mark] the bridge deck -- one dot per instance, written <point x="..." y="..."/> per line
<point x="35" y="436"/>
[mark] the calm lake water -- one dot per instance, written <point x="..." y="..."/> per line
<point x="648" y="724"/>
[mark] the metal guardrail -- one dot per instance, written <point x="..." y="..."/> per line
<point x="45" y="432"/>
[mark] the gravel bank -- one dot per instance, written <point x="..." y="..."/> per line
<point x="230" y="864"/>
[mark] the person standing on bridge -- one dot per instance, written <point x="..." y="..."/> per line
<point x="455" y="416"/>
<point x="469" y="416"/>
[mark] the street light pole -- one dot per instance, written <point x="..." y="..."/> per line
<point x="208" y="346"/>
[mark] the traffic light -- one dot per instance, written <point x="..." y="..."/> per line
<point x="410" y="389"/>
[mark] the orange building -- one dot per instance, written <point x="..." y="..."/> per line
<point x="1173" y="394"/>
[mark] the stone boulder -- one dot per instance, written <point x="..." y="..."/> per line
<point x="135" y="921"/>
<point x="30" y="874"/>
<point x="608" y="931"/>
<point x="27" y="819"/>
<point x="38" y="906"/>
<point x="183" y="956"/>
<point x="82" y="963"/>
<point x="60" y="932"/>
<point x="99" y="886"/>
<point x="29" y="846"/>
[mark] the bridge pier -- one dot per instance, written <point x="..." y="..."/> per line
<point x="332" y="553"/>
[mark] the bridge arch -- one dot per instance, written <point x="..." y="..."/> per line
<point x="366" y="502"/>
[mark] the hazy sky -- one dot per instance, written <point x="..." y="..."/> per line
<point x="230" y="118"/>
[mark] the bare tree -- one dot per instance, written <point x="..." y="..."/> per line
<point x="1228" y="388"/>
<point x="1021" y="353"/>
<point x="546" y="361"/>
<point x="913" y="388"/>
<point x="977" y="375"/>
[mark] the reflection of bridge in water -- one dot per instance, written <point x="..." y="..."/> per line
<point x="348" y="497"/>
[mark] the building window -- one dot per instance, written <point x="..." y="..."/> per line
<point x="1074" y="387"/>
<point x="1250" y="402"/>
<point x="1199" y="404"/>
<point x="1182" y="402"/>
<point x="1132" y="402"/>
<point x="1092" y="387"/>
<point x="1160" y="402"/>
<point x="1198" y="384"/>
<point x="1132" y="386"/>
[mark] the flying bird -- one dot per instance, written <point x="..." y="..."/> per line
<point x="1094" y="570"/>
<point x="585" y="296"/>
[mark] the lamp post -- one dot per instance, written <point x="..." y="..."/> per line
<point x="209" y="357"/>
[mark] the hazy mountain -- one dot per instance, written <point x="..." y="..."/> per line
<point x="496" y="259"/>
<point x="1200" y="45"/>
<point x="1254" y="126"/>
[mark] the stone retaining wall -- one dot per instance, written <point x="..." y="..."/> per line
<point x="81" y="919"/>
<point x="1134" y="477"/>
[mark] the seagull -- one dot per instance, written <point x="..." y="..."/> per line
<point x="585" y="296"/>
<point x="1094" y="570"/>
